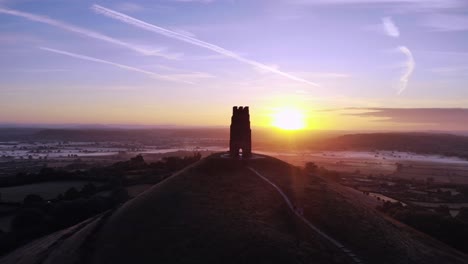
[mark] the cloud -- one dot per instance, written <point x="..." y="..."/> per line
<point x="446" y="118"/>
<point x="263" y="71"/>
<point x="85" y="32"/>
<point x="192" y="76"/>
<point x="122" y="66"/>
<point x="410" y="64"/>
<point x="183" y="32"/>
<point x="390" y="28"/>
<point x="205" y="57"/>
<point x="172" y="34"/>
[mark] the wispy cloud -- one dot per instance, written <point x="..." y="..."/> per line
<point x="183" y="32"/>
<point x="175" y="35"/>
<point x="390" y="28"/>
<point x="446" y="118"/>
<point x="84" y="32"/>
<point x="410" y="64"/>
<point x="192" y="76"/>
<point x="205" y="57"/>
<point x="118" y="65"/>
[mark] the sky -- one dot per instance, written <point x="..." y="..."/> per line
<point x="345" y="64"/>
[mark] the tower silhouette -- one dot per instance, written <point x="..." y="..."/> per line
<point x="240" y="132"/>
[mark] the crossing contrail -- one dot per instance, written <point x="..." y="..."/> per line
<point x="122" y="66"/>
<point x="175" y="35"/>
<point x="84" y="32"/>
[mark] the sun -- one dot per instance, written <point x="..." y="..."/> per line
<point x="289" y="119"/>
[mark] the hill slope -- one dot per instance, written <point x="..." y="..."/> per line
<point x="219" y="211"/>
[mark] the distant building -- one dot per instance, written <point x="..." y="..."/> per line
<point x="241" y="135"/>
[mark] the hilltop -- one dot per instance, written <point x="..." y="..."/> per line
<point x="219" y="211"/>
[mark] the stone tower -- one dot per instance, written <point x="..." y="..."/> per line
<point x="240" y="132"/>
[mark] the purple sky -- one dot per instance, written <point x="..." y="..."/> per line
<point x="187" y="62"/>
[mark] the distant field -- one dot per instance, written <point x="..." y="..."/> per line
<point x="441" y="173"/>
<point x="415" y="166"/>
<point x="47" y="190"/>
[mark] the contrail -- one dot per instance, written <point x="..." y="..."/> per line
<point x="410" y="65"/>
<point x="125" y="67"/>
<point x="83" y="31"/>
<point x="175" y="35"/>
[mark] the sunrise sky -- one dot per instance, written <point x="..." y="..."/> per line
<point x="344" y="64"/>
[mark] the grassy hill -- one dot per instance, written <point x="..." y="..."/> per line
<point x="218" y="211"/>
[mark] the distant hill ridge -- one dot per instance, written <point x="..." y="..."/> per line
<point x="418" y="142"/>
<point x="426" y="143"/>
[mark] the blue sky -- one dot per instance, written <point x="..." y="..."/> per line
<point x="98" y="62"/>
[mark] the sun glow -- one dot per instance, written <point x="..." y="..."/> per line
<point x="289" y="119"/>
